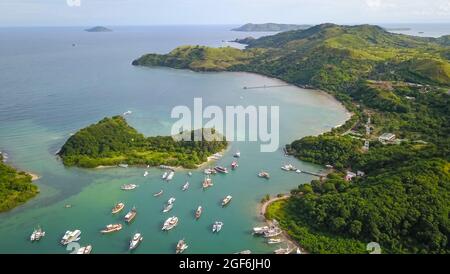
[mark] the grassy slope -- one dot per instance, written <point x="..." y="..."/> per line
<point x="112" y="141"/>
<point x="15" y="187"/>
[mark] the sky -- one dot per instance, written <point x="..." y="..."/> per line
<point x="194" y="12"/>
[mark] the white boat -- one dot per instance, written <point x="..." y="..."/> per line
<point x="171" y="201"/>
<point x="123" y="165"/>
<point x="181" y="246"/>
<point x="198" y="212"/>
<point x="217" y="226"/>
<point x="167" y="208"/>
<point x="117" y="208"/>
<point x="71" y="236"/>
<point x="244" y="252"/>
<point x="158" y="193"/>
<point x="190" y="173"/>
<point x="170" y="176"/>
<point x="136" y="240"/>
<point x="130" y="215"/>
<point x="185" y="186"/>
<point x="286" y="250"/>
<point x="164" y="176"/>
<point x="274" y="241"/>
<point x="111" y="228"/>
<point x="264" y="174"/>
<point x="298" y="171"/>
<point x="226" y="200"/>
<point x="128" y="112"/>
<point x="260" y="229"/>
<point x="298" y="251"/>
<point x="237" y="154"/>
<point x="128" y="187"/>
<point x="207" y="182"/>
<point x="145" y="174"/>
<point x="272" y="232"/>
<point x="288" y="167"/>
<point x="85" y="250"/>
<point x="37" y="234"/>
<point x="170" y="223"/>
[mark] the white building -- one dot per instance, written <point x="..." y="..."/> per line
<point x="387" y="137"/>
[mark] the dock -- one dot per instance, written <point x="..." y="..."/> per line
<point x="265" y="86"/>
<point x="313" y="173"/>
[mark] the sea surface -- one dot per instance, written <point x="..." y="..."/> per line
<point x="54" y="81"/>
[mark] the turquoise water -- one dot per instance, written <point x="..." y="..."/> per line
<point x="50" y="89"/>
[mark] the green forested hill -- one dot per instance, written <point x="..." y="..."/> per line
<point x="112" y="141"/>
<point x="402" y="83"/>
<point x="15" y="187"/>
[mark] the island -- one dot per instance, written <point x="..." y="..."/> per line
<point x="112" y="142"/>
<point x="16" y="187"/>
<point x="270" y="27"/>
<point x="98" y="29"/>
<point x="387" y="177"/>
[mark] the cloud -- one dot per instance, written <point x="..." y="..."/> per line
<point x="380" y="4"/>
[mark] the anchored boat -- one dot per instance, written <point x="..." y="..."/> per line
<point x="234" y="165"/>
<point x="170" y="176"/>
<point x="71" y="236"/>
<point x="185" y="186"/>
<point x="128" y="187"/>
<point x="117" y="208"/>
<point x="207" y="182"/>
<point x="217" y="226"/>
<point x="158" y="193"/>
<point x="221" y="169"/>
<point x="130" y="215"/>
<point x="111" y="228"/>
<point x="198" y="212"/>
<point x="181" y="246"/>
<point x="85" y="249"/>
<point x="37" y="234"/>
<point x="264" y="174"/>
<point x="135" y="241"/>
<point x="226" y="200"/>
<point x="170" y="223"/>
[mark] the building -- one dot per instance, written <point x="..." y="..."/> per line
<point x="350" y="175"/>
<point x="387" y="138"/>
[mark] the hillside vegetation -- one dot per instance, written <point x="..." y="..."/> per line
<point x="112" y="141"/>
<point x="402" y="84"/>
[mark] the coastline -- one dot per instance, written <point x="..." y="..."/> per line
<point x="34" y="176"/>
<point x="262" y="208"/>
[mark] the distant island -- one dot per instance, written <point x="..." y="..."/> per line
<point x="112" y="142"/>
<point x="387" y="168"/>
<point x="270" y="27"/>
<point x="16" y="187"/>
<point x="98" y="29"/>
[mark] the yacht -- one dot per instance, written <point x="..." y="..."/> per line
<point x="181" y="246"/>
<point x="171" y="201"/>
<point x="288" y="167"/>
<point x="234" y="165"/>
<point x="111" y="228"/>
<point x="217" y="226"/>
<point x="237" y="154"/>
<point x="185" y="186"/>
<point x="167" y="208"/>
<point x="117" y="208"/>
<point x="221" y="169"/>
<point x="164" y="176"/>
<point x="226" y="200"/>
<point x="274" y="241"/>
<point x="158" y="193"/>
<point x="207" y="182"/>
<point x="128" y="187"/>
<point x="260" y="230"/>
<point x="198" y="212"/>
<point x="130" y="215"/>
<point x="264" y="174"/>
<point x="170" y="223"/>
<point x="170" y="176"/>
<point x="85" y="250"/>
<point x="135" y="241"/>
<point x="37" y="234"/>
<point x="71" y="236"/>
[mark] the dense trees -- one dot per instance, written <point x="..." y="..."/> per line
<point x="112" y="141"/>
<point x="15" y="187"/>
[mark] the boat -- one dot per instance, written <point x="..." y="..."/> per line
<point x="111" y="228"/>
<point x="167" y="208"/>
<point x="171" y="201"/>
<point x="272" y="232"/>
<point x="234" y="165"/>
<point x="158" y="193"/>
<point x="68" y="206"/>
<point x="260" y="230"/>
<point x="207" y="182"/>
<point x="123" y="165"/>
<point x="164" y="176"/>
<point x="127" y="112"/>
<point x="170" y="223"/>
<point x="189" y="173"/>
<point x="264" y="174"/>
<point x="181" y="246"/>
<point x="286" y="250"/>
<point x="209" y="171"/>
<point x="71" y="236"/>
<point x="217" y="226"/>
<point x="185" y="186"/>
<point x="198" y="212"/>
<point x="37" y="234"/>
<point x="288" y="167"/>
<point x="145" y="174"/>
<point x="237" y="154"/>
<point x="130" y="215"/>
<point x="117" y="208"/>
<point x="135" y="241"/>
<point x="298" y="171"/>
<point x="170" y="176"/>
<point x="298" y="251"/>
<point x="85" y="250"/>
<point x="221" y="169"/>
<point x="226" y="200"/>
<point x="128" y="187"/>
<point x="274" y="241"/>
<point x="244" y="252"/>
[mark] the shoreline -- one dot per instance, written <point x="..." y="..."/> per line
<point x="34" y="176"/>
<point x="262" y="209"/>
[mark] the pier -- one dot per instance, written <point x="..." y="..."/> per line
<point x="313" y="173"/>
<point x="265" y="86"/>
